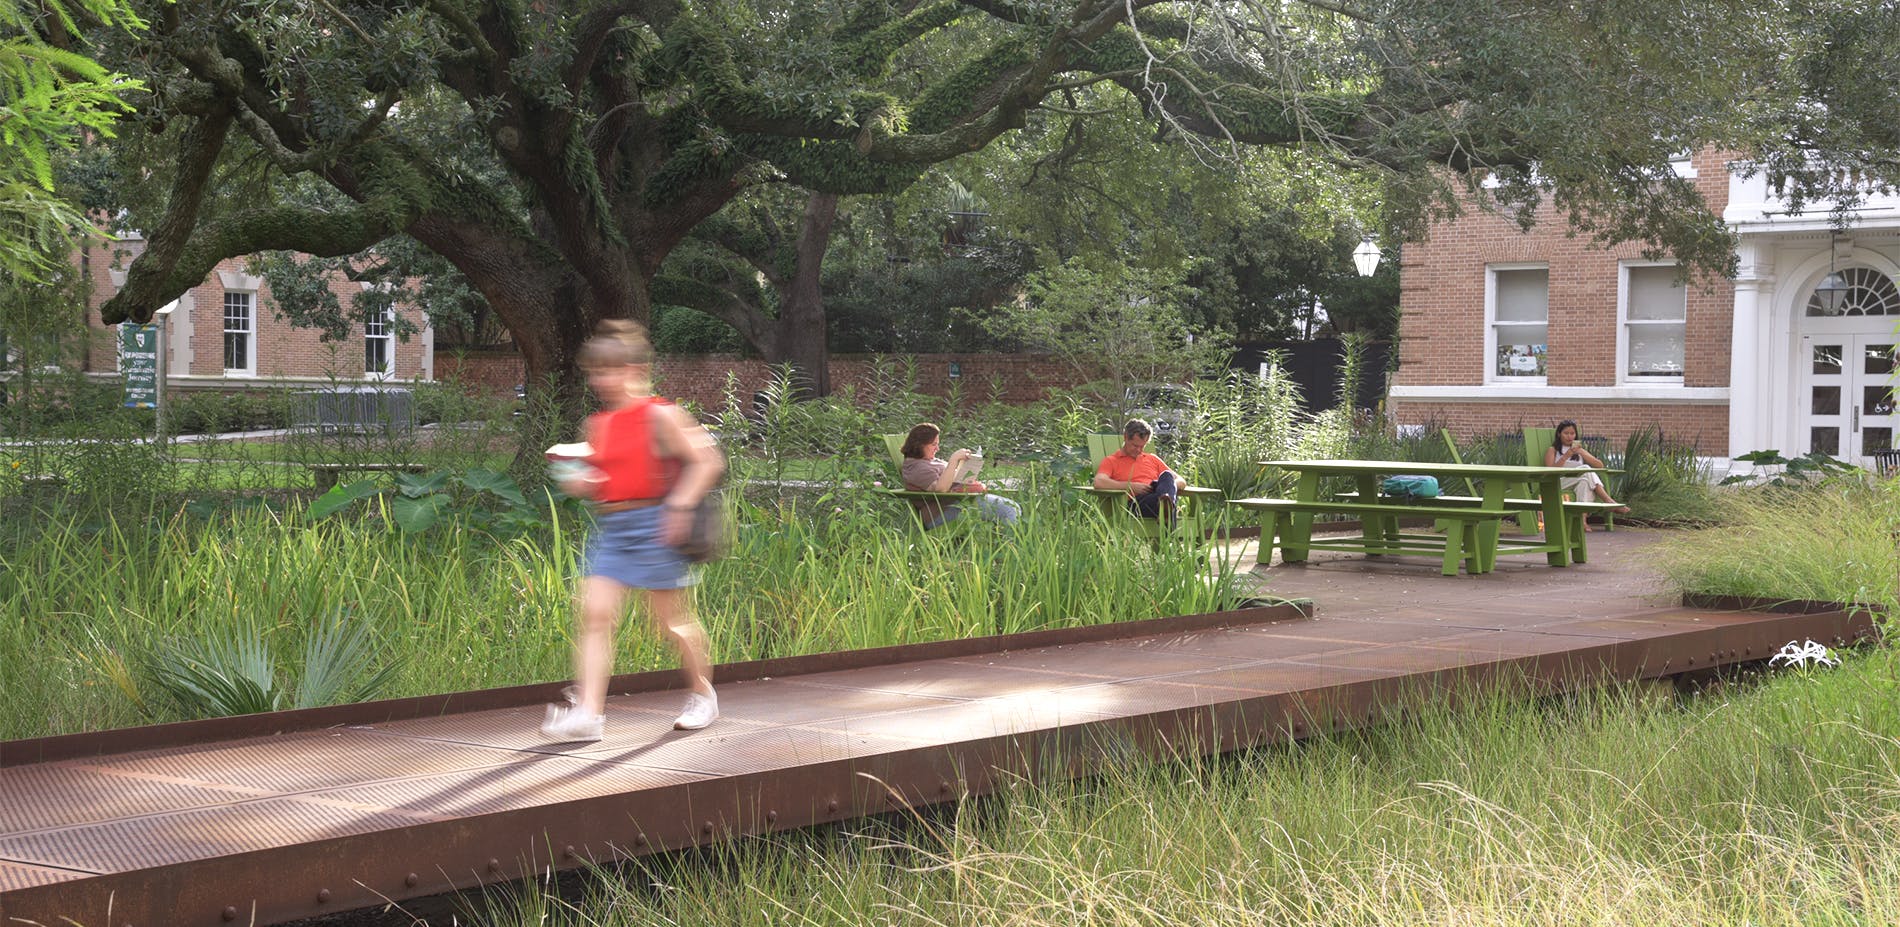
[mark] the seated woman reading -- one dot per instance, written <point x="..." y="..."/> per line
<point x="1566" y="451"/>
<point x="924" y="472"/>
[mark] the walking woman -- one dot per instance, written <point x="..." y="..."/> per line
<point x="651" y="465"/>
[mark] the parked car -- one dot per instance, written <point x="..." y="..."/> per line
<point x="1166" y="406"/>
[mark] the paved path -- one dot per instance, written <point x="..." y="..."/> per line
<point x="1619" y="577"/>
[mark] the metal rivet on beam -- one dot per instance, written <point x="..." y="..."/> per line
<point x="567" y="852"/>
<point x="230" y="913"/>
<point x="411" y="880"/>
<point x="771" y="817"/>
<point x="323" y="895"/>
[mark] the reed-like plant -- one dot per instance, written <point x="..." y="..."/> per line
<point x="1663" y="482"/>
<point x="1832" y="542"/>
<point x="85" y="590"/>
<point x="1239" y="420"/>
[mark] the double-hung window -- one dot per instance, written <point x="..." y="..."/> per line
<point x="1517" y="298"/>
<point x="1655" y="324"/>
<point x="240" y="333"/>
<point x="379" y="355"/>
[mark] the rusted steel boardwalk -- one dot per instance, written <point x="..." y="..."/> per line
<point x="271" y="818"/>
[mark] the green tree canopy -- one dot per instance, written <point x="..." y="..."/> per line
<point x="557" y="152"/>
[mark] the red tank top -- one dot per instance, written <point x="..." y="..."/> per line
<point x="623" y="450"/>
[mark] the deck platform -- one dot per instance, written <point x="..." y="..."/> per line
<point x="265" y="819"/>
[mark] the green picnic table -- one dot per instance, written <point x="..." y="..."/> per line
<point x="1474" y="538"/>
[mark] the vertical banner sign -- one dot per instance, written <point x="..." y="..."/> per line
<point x="138" y="360"/>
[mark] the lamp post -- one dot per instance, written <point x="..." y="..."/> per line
<point x="1366" y="257"/>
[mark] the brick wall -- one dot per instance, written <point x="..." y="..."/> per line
<point x="282" y="350"/>
<point x="1441" y="299"/>
<point x="1013" y="378"/>
<point x="1442" y="324"/>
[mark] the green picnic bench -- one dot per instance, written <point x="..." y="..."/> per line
<point x="1379" y="530"/>
<point x="1459" y="516"/>
<point x="1575" y="514"/>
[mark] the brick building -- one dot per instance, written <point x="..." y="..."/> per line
<point x="224" y="335"/>
<point x="1500" y="329"/>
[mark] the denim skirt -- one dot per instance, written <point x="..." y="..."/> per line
<point x="626" y="548"/>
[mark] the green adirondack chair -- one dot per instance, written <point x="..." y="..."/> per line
<point x="1535" y="440"/>
<point x="1200" y="507"/>
<point x="895" y="445"/>
<point x="1471" y="486"/>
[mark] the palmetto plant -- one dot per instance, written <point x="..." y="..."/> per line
<point x="233" y="672"/>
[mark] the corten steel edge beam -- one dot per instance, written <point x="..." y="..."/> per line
<point x="154" y="736"/>
<point x="343" y="873"/>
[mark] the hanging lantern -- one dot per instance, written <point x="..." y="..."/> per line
<point x="1366" y="257"/>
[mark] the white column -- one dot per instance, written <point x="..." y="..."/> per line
<point x="179" y="351"/>
<point x="1748" y="352"/>
<point x="428" y="348"/>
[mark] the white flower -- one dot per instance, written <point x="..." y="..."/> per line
<point x="1803" y="654"/>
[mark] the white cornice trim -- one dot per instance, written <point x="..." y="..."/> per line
<point x="118" y="277"/>
<point x="238" y="280"/>
<point x="1571" y="394"/>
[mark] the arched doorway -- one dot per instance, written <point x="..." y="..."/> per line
<point x="1847" y="364"/>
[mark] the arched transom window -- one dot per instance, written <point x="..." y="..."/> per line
<point x="1854" y="291"/>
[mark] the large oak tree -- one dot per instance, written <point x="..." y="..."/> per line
<point x="555" y="152"/>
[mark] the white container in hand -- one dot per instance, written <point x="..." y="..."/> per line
<point x="569" y="462"/>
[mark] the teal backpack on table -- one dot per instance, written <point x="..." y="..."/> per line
<point x="1410" y="487"/>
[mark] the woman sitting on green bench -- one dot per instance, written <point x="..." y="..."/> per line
<point x="924" y="472"/>
<point x="1566" y="451"/>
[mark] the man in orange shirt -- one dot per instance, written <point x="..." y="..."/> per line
<point x="1152" y="488"/>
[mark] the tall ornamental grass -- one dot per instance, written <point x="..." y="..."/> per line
<point x="90" y="600"/>
<point x="1774" y="805"/>
<point x="1836" y="541"/>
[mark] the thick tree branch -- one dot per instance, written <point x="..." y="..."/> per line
<point x="282" y="228"/>
<point x="147" y="284"/>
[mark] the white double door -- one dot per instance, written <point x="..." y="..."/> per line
<point x="1849" y="394"/>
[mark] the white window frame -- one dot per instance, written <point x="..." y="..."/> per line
<point x="379" y="330"/>
<point x="250" y="349"/>
<point x="1624" y="323"/>
<point x="1491" y="272"/>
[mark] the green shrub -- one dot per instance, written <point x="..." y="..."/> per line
<point x="1662" y="481"/>
<point x="216" y="412"/>
<point x="679" y="330"/>
<point x="231" y="671"/>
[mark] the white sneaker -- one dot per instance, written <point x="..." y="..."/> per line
<point x="569" y="724"/>
<point x="700" y="711"/>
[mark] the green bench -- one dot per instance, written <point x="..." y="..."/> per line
<point x="1574" y="515"/>
<point x="1379" y="532"/>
